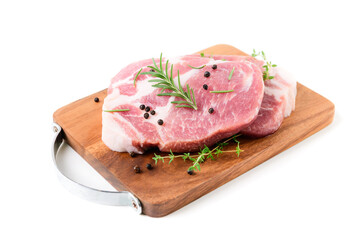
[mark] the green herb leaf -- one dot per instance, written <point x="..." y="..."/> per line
<point x="197" y="67"/>
<point x="172" y="156"/>
<point x="164" y="81"/>
<point x="222" y="91"/>
<point x="203" y="154"/>
<point x="268" y="65"/>
<point x="186" y="156"/>
<point x="183" y="106"/>
<point x="179" y="102"/>
<point x="191" y="168"/>
<point x="137" y="76"/>
<point x="231" y="73"/>
<point x="202" y="54"/>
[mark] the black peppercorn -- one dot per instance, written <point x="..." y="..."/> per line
<point x="137" y="169"/>
<point x="142" y="107"/>
<point x="132" y="154"/>
<point x="205" y="87"/>
<point x="147" y="109"/>
<point x="146" y="115"/>
<point x="149" y="166"/>
<point x="160" y="122"/>
<point x="190" y="172"/>
<point x="214" y="66"/>
<point x="206" y="74"/>
<point x="96" y="99"/>
<point x="152" y="112"/>
<point x="211" y="110"/>
<point x="152" y="70"/>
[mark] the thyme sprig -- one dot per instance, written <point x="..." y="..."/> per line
<point x="268" y="65"/>
<point x="204" y="154"/>
<point x="164" y="80"/>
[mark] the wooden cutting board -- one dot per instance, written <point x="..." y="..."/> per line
<point x="168" y="187"/>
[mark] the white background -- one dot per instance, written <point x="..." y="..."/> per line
<point x="55" y="52"/>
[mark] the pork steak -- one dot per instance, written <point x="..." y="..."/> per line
<point x="278" y="102"/>
<point x="183" y="129"/>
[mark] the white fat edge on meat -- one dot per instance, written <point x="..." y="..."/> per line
<point x="118" y="140"/>
<point x="110" y="102"/>
<point x="114" y="136"/>
<point x="292" y="91"/>
<point x="286" y="89"/>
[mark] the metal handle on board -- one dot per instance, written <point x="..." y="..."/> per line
<point x="113" y="198"/>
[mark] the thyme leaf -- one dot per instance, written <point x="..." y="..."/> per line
<point x="268" y="65"/>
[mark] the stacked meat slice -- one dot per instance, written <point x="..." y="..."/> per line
<point x="244" y="104"/>
<point x="278" y="103"/>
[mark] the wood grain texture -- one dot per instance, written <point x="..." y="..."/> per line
<point x="168" y="187"/>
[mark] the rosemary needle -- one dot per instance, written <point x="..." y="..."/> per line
<point x="231" y="73"/>
<point x="222" y="91"/>
<point x="137" y="76"/>
<point x="197" y="67"/>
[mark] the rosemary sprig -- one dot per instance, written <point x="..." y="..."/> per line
<point x="267" y="66"/>
<point x="137" y="76"/>
<point x="164" y="80"/>
<point x="222" y="91"/>
<point x="231" y="73"/>
<point x="204" y="154"/>
<point x="197" y="67"/>
<point x="117" y="110"/>
<point x="202" y="54"/>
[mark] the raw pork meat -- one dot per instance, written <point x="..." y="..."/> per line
<point x="183" y="129"/>
<point x="278" y="103"/>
